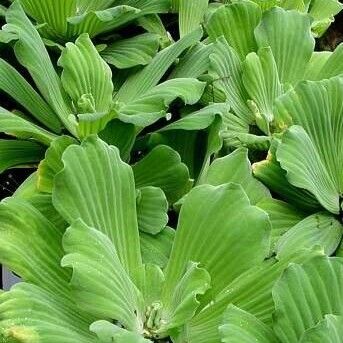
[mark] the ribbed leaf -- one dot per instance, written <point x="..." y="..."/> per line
<point x="226" y="68"/>
<point x="184" y="302"/>
<point x="32" y="314"/>
<point x="282" y="216"/>
<point x="288" y="33"/>
<point x="31" y="246"/>
<point x="319" y="229"/>
<point x="152" y="207"/>
<point x="131" y="52"/>
<point x="162" y="168"/>
<point x="236" y="168"/>
<point x="329" y="330"/>
<point x="19" y="89"/>
<point x="195" y="62"/>
<point x="305" y="294"/>
<point x="31" y="53"/>
<point x="86" y="77"/>
<point x="251" y="292"/>
<point x="17" y="153"/>
<point x="245" y="15"/>
<point x="202" y="215"/>
<point x="97" y="187"/>
<point x="156" y="248"/>
<point x="52" y="163"/>
<point x="144" y="80"/>
<point x="191" y="14"/>
<point x="152" y="105"/>
<point x="12" y="124"/>
<point x="241" y="327"/>
<point x="318" y="143"/>
<point x="261" y="80"/>
<point x="100" y="284"/>
<point x="108" y="333"/>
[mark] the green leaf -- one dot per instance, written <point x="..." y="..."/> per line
<point x="184" y="301"/>
<point x="43" y="316"/>
<point x="97" y="187"/>
<point x="86" y="77"/>
<point x="205" y="212"/>
<point x="320" y="229"/>
<point x="329" y="330"/>
<point x="282" y="216"/>
<point x="152" y="105"/>
<point x="236" y="168"/>
<point x="31" y="246"/>
<point x="142" y="81"/>
<point x="156" y="249"/>
<point x="318" y="143"/>
<point x="191" y="14"/>
<point x="52" y="163"/>
<point x="19" y="89"/>
<point x="241" y="327"/>
<point x="131" y="52"/>
<point x="162" y="168"/>
<point x="305" y="294"/>
<point x="261" y="80"/>
<point x="17" y="153"/>
<point x="31" y="53"/>
<point x="11" y="124"/>
<point x="251" y="292"/>
<point x="194" y="63"/>
<point x="152" y="207"/>
<point x="246" y="15"/>
<point x="274" y="177"/>
<point x="293" y="29"/>
<point x="227" y="70"/>
<point x="330" y="65"/>
<point x="100" y="284"/>
<point x="108" y="333"/>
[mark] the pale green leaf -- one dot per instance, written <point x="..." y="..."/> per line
<point x="227" y="70"/>
<point x="305" y="294"/>
<point x="162" y="168"/>
<point x="108" y="333"/>
<point x="241" y="327"/>
<point x="31" y="246"/>
<point x="52" y="163"/>
<point x="142" y="81"/>
<point x="97" y="187"/>
<point x="131" y="52"/>
<point x="207" y="230"/>
<point x="288" y="33"/>
<point x="191" y="14"/>
<point x="245" y="15"/>
<point x="13" y="125"/>
<point x="320" y="229"/>
<point x="156" y="249"/>
<point x="43" y="316"/>
<point x="261" y="80"/>
<point x="19" y="89"/>
<point x="236" y="168"/>
<point x="152" y="207"/>
<point x="100" y="284"/>
<point x="31" y="53"/>
<point x="152" y="105"/>
<point x="329" y="330"/>
<point x="86" y="77"/>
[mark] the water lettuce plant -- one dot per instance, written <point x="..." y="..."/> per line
<point x="90" y="282"/>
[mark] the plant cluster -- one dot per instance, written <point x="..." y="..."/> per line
<point x="188" y="171"/>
